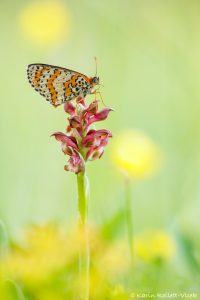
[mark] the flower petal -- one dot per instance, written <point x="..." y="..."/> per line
<point x="67" y="140"/>
<point x="74" y="121"/>
<point x="100" y="116"/>
<point x="93" y="107"/>
<point x="94" y="153"/>
<point x="96" y="138"/>
<point x="81" y="101"/>
<point x="69" y="108"/>
<point x="75" y="164"/>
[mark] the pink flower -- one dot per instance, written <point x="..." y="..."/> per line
<point x="96" y="138"/>
<point x="67" y="141"/>
<point x="82" y="143"/>
<point x="75" y="164"/>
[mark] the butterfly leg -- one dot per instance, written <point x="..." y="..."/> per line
<point x="99" y="93"/>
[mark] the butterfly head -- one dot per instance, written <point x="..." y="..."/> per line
<point x="95" y="80"/>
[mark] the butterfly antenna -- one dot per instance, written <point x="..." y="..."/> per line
<point x="97" y="91"/>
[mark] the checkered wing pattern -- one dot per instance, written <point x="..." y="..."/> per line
<point x="58" y="85"/>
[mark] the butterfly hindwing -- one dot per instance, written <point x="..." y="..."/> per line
<point x="56" y="84"/>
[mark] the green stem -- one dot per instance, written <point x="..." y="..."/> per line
<point x="84" y="259"/>
<point x="129" y="218"/>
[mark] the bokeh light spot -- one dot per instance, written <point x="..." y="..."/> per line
<point x="153" y="245"/>
<point x="135" y="154"/>
<point x="45" y="23"/>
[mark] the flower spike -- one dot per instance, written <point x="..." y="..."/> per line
<point x="81" y="142"/>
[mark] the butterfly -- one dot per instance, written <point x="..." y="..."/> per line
<point x="59" y="85"/>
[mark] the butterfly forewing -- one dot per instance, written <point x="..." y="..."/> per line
<point x="56" y="84"/>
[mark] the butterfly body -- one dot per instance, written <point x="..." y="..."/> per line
<point x="59" y="85"/>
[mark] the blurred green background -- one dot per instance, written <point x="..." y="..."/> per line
<point x="149" y="63"/>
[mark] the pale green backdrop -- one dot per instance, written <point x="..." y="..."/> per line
<point x="149" y="62"/>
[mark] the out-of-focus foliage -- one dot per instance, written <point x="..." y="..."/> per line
<point x="149" y="64"/>
<point x="44" y="265"/>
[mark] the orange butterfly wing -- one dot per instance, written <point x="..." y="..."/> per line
<point x="57" y="84"/>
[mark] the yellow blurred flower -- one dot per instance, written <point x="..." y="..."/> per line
<point x="46" y="251"/>
<point x="115" y="258"/>
<point x="44" y="23"/>
<point x="135" y="154"/>
<point x="154" y="245"/>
